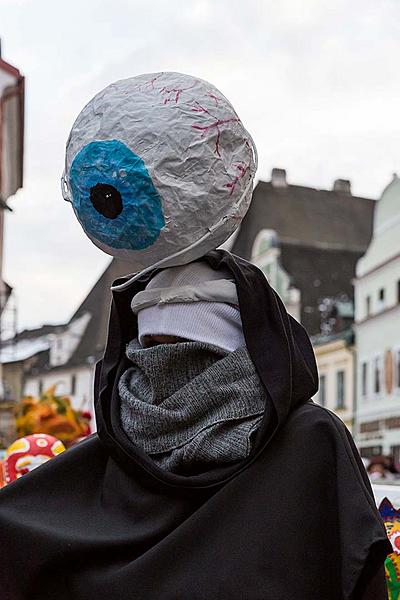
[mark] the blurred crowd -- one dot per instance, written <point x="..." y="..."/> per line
<point x="382" y="467"/>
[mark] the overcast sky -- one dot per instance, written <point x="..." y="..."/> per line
<point x="316" y="82"/>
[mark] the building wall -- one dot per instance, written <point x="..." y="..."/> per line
<point x="266" y="256"/>
<point x="378" y="332"/>
<point x="378" y="341"/>
<point x="82" y="398"/>
<point x="387" y="278"/>
<point x="13" y="380"/>
<point x="333" y="358"/>
<point x="5" y="80"/>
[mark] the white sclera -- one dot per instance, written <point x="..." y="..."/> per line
<point x="201" y="159"/>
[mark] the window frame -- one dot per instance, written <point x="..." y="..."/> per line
<point x="396" y="369"/>
<point x="340" y="398"/>
<point x="322" y="388"/>
<point x="377" y="359"/>
<point x="368" y="305"/>
<point x="73" y="384"/>
<point x="364" y="380"/>
<point x="381" y="299"/>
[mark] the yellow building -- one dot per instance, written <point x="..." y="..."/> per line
<point x="335" y="355"/>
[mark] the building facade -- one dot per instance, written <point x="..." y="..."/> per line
<point x="335" y="355"/>
<point x="64" y="354"/>
<point x="307" y="242"/>
<point x="12" y="85"/>
<point x="377" y="296"/>
<point x="11" y="174"/>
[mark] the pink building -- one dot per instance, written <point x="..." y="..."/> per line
<point x="11" y="172"/>
<point x="11" y="145"/>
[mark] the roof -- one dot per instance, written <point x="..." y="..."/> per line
<point x="27" y="343"/>
<point x="387" y="208"/>
<point x="318" y="275"/>
<point x="321" y="234"/>
<point x="30" y="334"/>
<point x="307" y="216"/>
<point x="4" y="205"/>
<point x="7" y="68"/>
<point x="30" y="342"/>
<point x="23" y="349"/>
<point x="347" y="335"/>
<point x="97" y="304"/>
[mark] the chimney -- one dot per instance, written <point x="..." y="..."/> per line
<point x="278" y="178"/>
<point x="343" y="186"/>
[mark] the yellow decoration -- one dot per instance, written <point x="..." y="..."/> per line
<point x="53" y="415"/>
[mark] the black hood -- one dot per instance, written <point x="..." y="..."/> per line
<point x="295" y="519"/>
<point x="278" y="345"/>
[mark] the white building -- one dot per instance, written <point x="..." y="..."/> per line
<point x="63" y="354"/>
<point x="307" y="242"/>
<point x="377" y="301"/>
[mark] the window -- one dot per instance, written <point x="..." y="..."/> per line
<point x="397" y="368"/>
<point x="40" y="386"/>
<point x="364" y="379"/>
<point x="381" y="299"/>
<point x="368" y="306"/>
<point x="370" y="427"/>
<point x="377" y="375"/>
<point x="398" y="291"/>
<point x="73" y="385"/>
<point x="322" y="390"/>
<point x="340" y="392"/>
<point x="395" y="452"/>
<point x="370" y="451"/>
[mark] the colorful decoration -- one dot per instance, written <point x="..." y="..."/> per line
<point x="53" y="415"/>
<point x="391" y="518"/>
<point x="27" y="453"/>
<point x="159" y="169"/>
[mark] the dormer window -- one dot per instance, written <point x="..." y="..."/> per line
<point x="381" y="299"/>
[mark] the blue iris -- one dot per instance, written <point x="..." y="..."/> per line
<point x="114" y="196"/>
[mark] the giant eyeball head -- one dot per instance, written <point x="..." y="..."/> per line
<point x="159" y="169"/>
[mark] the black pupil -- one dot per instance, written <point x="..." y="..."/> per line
<point x="106" y="200"/>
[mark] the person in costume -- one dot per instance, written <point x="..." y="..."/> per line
<point x="212" y="474"/>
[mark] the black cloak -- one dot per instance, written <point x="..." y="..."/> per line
<point x="295" y="520"/>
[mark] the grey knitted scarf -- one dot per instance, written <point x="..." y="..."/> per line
<point x="191" y="406"/>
